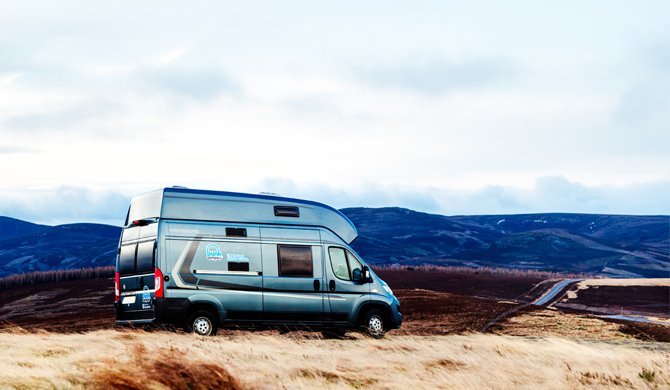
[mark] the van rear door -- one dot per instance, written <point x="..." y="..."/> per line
<point x="136" y="267"/>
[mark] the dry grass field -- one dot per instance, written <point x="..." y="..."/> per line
<point x="137" y="359"/>
<point x="61" y="334"/>
<point x="551" y="322"/>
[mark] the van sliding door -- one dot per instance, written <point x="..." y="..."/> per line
<point x="227" y="269"/>
<point x="293" y="282"/>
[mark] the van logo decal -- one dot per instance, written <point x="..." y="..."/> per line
<point x="236" y="257"/>
<point x="213" y="253"/>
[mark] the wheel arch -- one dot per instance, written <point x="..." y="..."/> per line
<point x="206" y="302"/>
<point x="365" y="308"/>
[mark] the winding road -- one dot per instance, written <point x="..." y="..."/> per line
<point x="552" y="295"/>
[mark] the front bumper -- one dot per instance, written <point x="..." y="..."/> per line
<point x="396" y="319"/>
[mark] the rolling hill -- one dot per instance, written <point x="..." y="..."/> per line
<point x="614" y="245"/>
<point x="26" y="247"/>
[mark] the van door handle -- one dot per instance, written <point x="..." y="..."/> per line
<point x="317" y="285"/>
<point x="331" y="285"/>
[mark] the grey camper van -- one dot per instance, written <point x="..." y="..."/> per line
<point x="203" y="259"/>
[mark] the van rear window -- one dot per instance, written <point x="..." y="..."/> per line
<point x="295" y="260"/>
<point x="137" y="258"/>
<point x="145" y="257"/>
<point x="127" y="259"/>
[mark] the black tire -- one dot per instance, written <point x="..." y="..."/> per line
<point x="333" y="333"/>
<point x="202" y="323"/>
<point x="373" y="323"/>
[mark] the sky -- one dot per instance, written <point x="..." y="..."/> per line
<point x="447" y="107"/>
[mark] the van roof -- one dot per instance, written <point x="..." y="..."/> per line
<point x="224" y="206"/>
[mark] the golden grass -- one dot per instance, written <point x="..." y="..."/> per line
<point x="156" y="371"/>
<point x="136" y="359"/>
<point x="663" y="282"/>
<point x="551" y="322"/>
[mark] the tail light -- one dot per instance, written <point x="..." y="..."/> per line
<point x="158" y="283"/>
<point x="117" y="284"/>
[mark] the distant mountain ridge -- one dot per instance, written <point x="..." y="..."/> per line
<point x="26" y="247"/>
<point x="614" y="245"/>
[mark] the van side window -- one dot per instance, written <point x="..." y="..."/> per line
<point x="343" y="263"/>
<point x="145" y="257"/>
<point x="338" y="262"/>
<point x="127" y="259"/>
<point x="295" y="260"/>
<point x="354" y="264"/>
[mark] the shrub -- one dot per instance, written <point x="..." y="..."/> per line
<point x="647" y="375"/>
<point x="529" y="273"/>
<point x="37" y="277"/>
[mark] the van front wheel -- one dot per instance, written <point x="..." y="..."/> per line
<point x="202" y="323"/>
<point x="374" y="324"/>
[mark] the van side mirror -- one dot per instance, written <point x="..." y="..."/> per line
<point x="357" y="276"/>
<point x="366" y="275"/>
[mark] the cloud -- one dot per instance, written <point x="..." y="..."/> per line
<point x="14" y="149"/>
<point x="549" y="194"/>
<point x="365" y="194"/>
<point x="559" y="194"/>
<point x="66" y="118"/>
<point x="646" y="101"/>
<point x="200" y="84"/>
<point x="488" y="106"/>
<point x="65" y="205"/>
<point x="440" y="76"/>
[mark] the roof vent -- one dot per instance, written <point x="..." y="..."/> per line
<point x="287" y="211"/>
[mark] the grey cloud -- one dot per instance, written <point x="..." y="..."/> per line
<point x="65" y="205"/>
<point x="558" y="194"/>
<point x="549" y="194"/>
<point x="557" y="190"/>
<point x="366" y="195"/>
<point x="310" y="105"/>
<point x="66" y="118"/>
<point x="15" y="149"/>
<point x="646" y="102"/>
<point x="497" y="197"/>
<point x="657" y="56"/>
<point x="199" y="84"/>
<point x="439" y="76"/>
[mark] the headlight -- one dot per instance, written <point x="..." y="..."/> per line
<point x="388" y="289"/>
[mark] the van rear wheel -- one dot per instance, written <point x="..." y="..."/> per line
<point x="202" y="323"/>
<point x="374" y="324"/>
